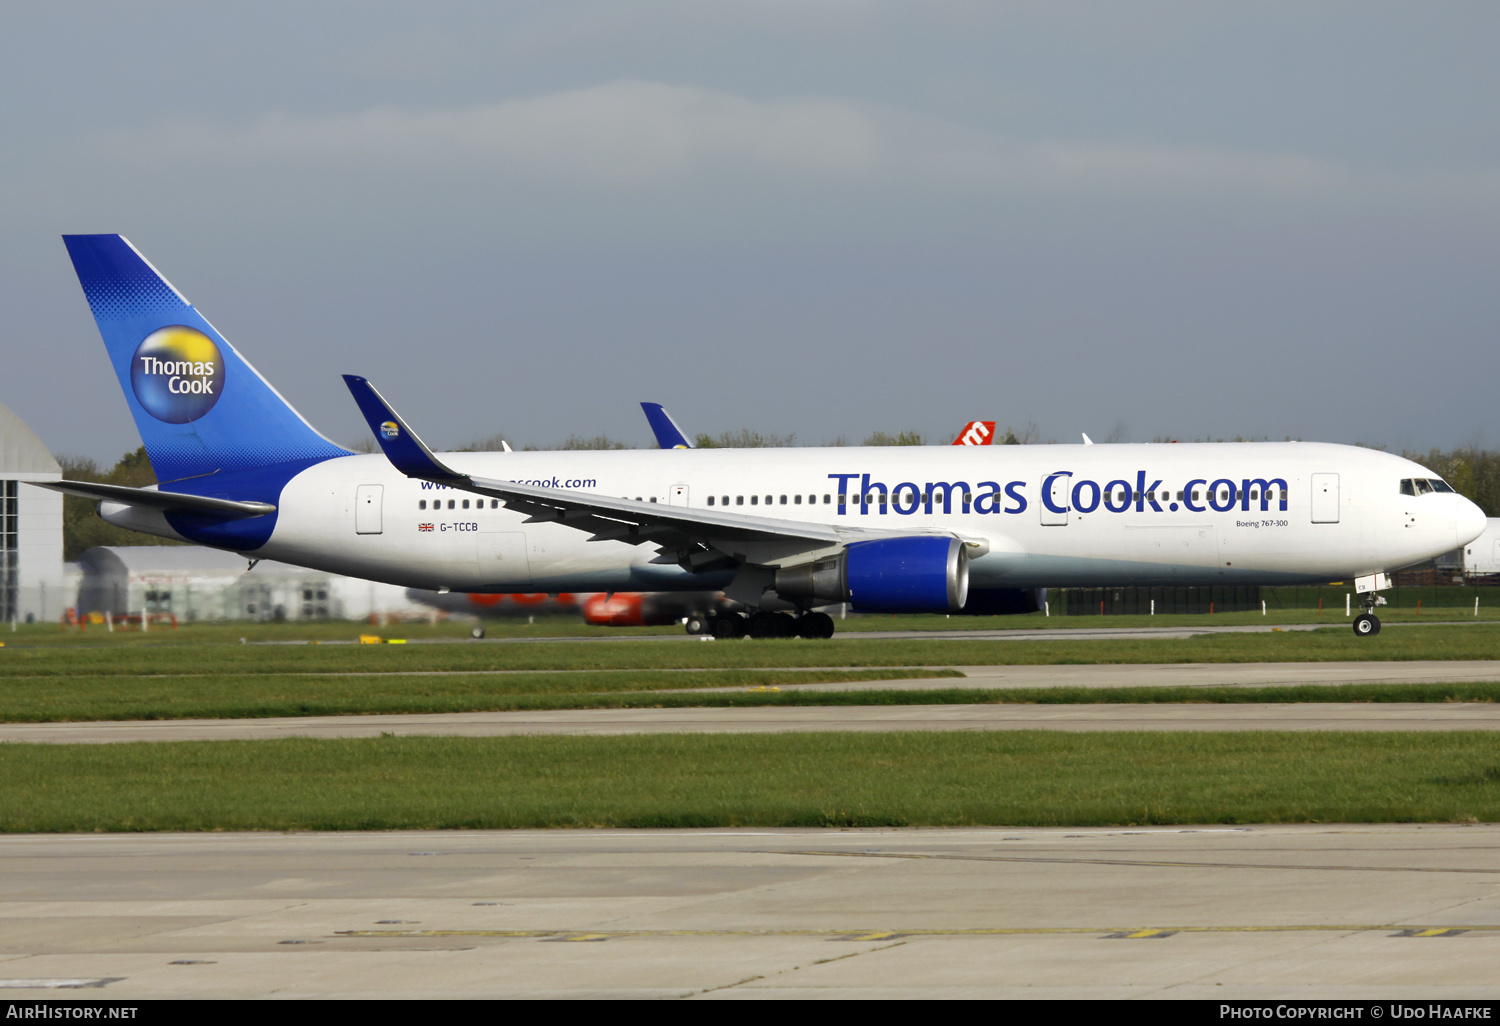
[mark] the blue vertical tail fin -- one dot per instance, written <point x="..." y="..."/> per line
<point x="668" y="434"/>
<point x="198" y="404"/>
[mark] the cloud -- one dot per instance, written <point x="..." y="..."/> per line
<point x="706" y="162"/>
<point x="621" y="133"/>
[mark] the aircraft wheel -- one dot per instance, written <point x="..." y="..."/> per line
<point x="697" y="625"/>
<point x="1366" y="625"/>
<point x="815" y="625"/>
<point x="476" y="631"/>
<point x="728" y="625"/>
<point x="786" y="625"/>
<point x="764" y="625"/>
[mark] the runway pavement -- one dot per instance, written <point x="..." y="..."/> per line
<point x="1424" y="716"/>
<point x="965" y="630"/>
<point x="1354" y="912"/>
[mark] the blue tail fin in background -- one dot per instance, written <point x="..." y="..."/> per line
<point x="199" y="406"/>
<point x="668" y="434"/>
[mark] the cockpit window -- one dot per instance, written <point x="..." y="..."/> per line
<point x="1424" y="485"/>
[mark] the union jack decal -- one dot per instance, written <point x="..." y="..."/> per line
<point x="424" y="527"/>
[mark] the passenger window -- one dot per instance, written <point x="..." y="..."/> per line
<point x="710" y="500"/>
<point x="843" y="499"/>
<point x="494" y="504"/>
<point x="754" y="499"/>
<point x="1196" y="496"/>
<point x="466" y="504"/>
<point x="797" y="500"/>
<point x="768" y="500"/>
<point x="653" y="498"/>
<point x="724" y="501"/>
<point x="739" y="500"/>
<point x="783" y="499"/>
<point x="450" y="503"/>
<point x="422" y="504"/>
<point x="1406" y="487"/>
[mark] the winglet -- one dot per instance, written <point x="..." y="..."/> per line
<point x="399" y="442"/>
<point x="668" y="434"/>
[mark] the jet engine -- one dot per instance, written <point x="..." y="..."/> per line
<point x="919" y="574"/>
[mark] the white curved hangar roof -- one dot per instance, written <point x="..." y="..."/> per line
<point x="21" y="451"/>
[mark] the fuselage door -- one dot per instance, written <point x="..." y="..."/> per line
<point x="678" y="495"/>
<point x="368" y="500"/>
<point x="1325" y="498"/>
<point x="1056" y="493"/>
<point x="502" y="559"/>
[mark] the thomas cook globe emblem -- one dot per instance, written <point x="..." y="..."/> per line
<point x="177" y="373"/>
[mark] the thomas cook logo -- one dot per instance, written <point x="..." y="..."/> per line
<point x="389" y="431"/>
<point x="177" y="374"/>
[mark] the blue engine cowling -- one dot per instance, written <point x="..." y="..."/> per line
<point x="907" y="575"/>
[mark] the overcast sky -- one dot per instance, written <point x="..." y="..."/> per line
<point x="823" y="216"/>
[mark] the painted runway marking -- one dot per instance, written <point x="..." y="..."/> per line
<point x="1147" y="863"/>
<point x="1132" y="933"/>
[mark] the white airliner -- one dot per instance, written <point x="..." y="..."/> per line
<point x="890" y="529"/>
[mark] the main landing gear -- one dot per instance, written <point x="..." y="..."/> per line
<point x="771" y="625"/>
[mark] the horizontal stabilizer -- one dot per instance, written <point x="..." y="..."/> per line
<point x="152" y="498"/>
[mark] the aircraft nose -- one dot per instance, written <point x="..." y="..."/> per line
<point x="1468" y="522"/>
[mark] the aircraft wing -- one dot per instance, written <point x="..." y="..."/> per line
<point x="668" y="434"/>
<point x="697" y="539"/>
<point x="153" y="498"/>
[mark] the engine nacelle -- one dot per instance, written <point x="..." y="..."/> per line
<point x="920" y="574"/>
<point x="1004" y="601"/>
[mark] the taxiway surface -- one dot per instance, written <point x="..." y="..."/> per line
<point x="1356" y="912"/>
<point x="1300" y="716"/>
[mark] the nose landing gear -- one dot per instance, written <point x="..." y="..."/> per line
<point x="1367" y="624"/>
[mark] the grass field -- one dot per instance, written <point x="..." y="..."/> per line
<point x="703" y="780"/>
<point x="213" y="677"/>
<point x="215" y="696"/>
<point x="898" y="779"/>
<point x="208" y="652"/>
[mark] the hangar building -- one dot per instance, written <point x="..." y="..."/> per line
<point x="31" y="527"/>
<point x="191" y="582"/>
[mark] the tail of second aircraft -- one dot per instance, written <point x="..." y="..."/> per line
<point x="198" y="404"/>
